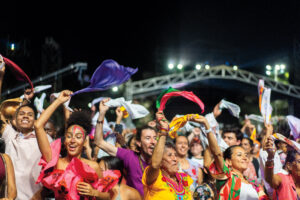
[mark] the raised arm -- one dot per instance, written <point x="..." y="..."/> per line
<point x="99" y="140"/>
<point x="273" y="179"/>
<point x="2" y="72"/>
<point x="153" y="171"/>
<point x="212" y="141"/>
<point x="28" y="96"/>
<point x="39" y="124"/>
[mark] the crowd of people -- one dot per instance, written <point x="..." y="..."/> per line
<point x="205" y="162"/>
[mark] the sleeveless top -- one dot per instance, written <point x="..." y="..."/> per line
<point x="287" y="188"/>
<point x="3" y="177"/>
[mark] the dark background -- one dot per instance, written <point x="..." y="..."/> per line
<point x="148" y="34"/>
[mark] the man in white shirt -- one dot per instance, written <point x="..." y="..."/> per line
<point x="22" y="147"/>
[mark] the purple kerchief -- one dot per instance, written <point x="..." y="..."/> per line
<point x="107" y="75"/>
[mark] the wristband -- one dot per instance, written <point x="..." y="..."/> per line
<point x="164" y="129"/>
<point x="163" y="133"/>
<point x="100" y="122"/>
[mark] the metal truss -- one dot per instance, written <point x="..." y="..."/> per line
<point x="77" y="67"/>
<point x="218" y="72"/>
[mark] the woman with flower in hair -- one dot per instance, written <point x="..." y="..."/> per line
<point x="70" y="176"/>
<point x="161" y="178"/>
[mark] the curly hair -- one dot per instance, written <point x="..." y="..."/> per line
<point x="81" y="118"/>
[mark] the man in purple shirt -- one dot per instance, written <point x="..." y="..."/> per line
<point x="134" y="163"/>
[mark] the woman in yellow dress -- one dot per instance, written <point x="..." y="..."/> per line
<point x="161" y="178"/>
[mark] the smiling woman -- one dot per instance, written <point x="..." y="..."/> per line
<point x="71" y="176"/>
<point x="161" y="179"/>
<point x="228" y="168"/>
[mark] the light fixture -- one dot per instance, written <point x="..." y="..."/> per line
<point x="235" y="67"/>
<point x="207" y="66"/>
<point x="171" y="66"/>
<point x="268" y="67"/>
<point x="12" y="46"/>
<point x="268" y="73"/>
<point x="179" y="66"/>
<point x="198" y="67"/>
<point x="115" y="89"/>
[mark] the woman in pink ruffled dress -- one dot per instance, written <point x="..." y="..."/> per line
<point x="71" y="177"/>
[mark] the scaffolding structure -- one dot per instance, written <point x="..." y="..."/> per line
<point x="218" y="72"/>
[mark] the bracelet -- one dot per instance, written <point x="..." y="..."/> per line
<point x="164" y="129"/>
<point x="163" y="133"/>
<point x="270" y="167"/>
<point x="100" y="122"/>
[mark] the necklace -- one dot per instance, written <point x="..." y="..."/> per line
<point x="177" y="187"/>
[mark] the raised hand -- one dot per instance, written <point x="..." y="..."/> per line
<point x="102" y="107"/>
<point x="162" y="121"/>
<point x="28" y="94"/>
<point x="119" y="113"/>
<point x="64" y="96"/>
<point x="269" y="128"/>
<point x="199" y="119"/>
<point x="217" y="111"/>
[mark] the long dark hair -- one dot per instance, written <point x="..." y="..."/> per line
<point x="113" y="163"/>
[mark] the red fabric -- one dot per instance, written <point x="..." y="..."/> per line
<point x="188" y="95"/>
<point x="64" y="182"/>
<point x="18" y="72"/>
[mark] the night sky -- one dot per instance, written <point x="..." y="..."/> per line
<point x="150" y="33"/>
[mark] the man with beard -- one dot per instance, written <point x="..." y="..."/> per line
<point x="134" y="162"/>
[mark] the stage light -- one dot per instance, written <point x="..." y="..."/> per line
<point x="282" y="67"/>
<point x="12" y="46"/>
<point x="198" y="67"/>
<point x="268" y="67"/>
<point x="207" y="66"/>
<point x="179" y="66"/>
<point x="268" y="73"/>
<point x="286" y="75"/>
<point x="171" y="66"/>
<point x="235" y="67"/>
<point x="115" y="89"/>
<point x="277" y="67"/>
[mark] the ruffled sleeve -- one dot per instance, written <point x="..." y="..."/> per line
<point x="47" y="168"/>
<point x="109" y="180"/>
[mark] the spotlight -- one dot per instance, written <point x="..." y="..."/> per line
<point x="12" y="46"/>
<point x="268" y="67"/>
<point x="235" y="67"/>
<point x="171" y="66"/>
<point x="268" y="73"/>
<point x="115" y="89"/>
<point x="282" y="67"/>
<point x="198" y="67"/>
<point x="207" y="66"/>
<point x="179" y="66"/>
